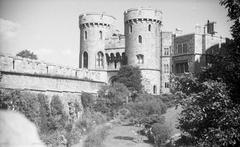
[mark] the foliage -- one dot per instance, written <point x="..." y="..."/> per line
<point x="226" y="65"/>
<point x="96" y="137"/>
<point x="27" y="54"/>
<point x="58" y="115"/>
<point x="90" y="119"/>
<point x="111" y="98"/>
<point x="131" y="77"/>
<point x="87" y="100"/>
<point x="160" y="133"/>
<point x="146" y="105"/>
<point x="209" y="114"/>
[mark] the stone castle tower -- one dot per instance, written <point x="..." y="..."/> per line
<point x="142" y="46"/>
<point x="103" y="49"/>
<point x="94" y="28"/>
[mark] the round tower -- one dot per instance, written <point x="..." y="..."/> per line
<point x="142" y="31"/>
<point x="94" y="28"/>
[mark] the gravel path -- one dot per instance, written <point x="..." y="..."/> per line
<point x="125" y="136"/>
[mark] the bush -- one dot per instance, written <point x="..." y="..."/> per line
<point x="160" y="133"/>
<point x="58" y="115"/>
<point x="87" y="100"/>
<point x="145" y="106"/>
<point x="111" y="98"/>
<point x="90" y="119"/>
<point x="96" y="137"/>
<point x="209" y="114"/>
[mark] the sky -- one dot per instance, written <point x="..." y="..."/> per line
<point x="50" y="28"/>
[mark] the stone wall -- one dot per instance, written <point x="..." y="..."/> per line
<point x="25" y="74"/>
<point x="26" y="66"/>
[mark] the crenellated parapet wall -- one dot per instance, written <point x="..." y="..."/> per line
<point x="143" y="14"/>
<point x="34" y="67"/>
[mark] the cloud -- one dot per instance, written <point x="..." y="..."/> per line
<point x="8" y="29"/>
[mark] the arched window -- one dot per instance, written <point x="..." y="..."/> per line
<point x="140" y="59"/>
<point x="140" y="39"/>
<point x="100" y="35"/>
<point x="154" y="89"/>
<point x="100" y="59"/>
<point x="149" y="27"/>
<point x="85" y="60"/>
<point x="85" y="35"/>
<point x="130" y="28"/>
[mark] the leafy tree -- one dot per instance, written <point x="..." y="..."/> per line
<point x="131" y="77"/>
<point x="226" y="64"/>
<point x="27" y="54"/>
<point x="209" y="115"/>
<point x="111" y="98"/>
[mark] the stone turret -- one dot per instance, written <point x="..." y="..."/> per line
<point x="142" y="32"/>
<point x="94" y="28"/>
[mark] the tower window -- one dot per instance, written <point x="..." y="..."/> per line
<point x="100" y="59"/>
<point x="166" y="68"/>
<point x="179" y="48"/>
<point x="149" y="27"/>
<point x="130" y="28"/>
<point x="140" y="39"/>
<point x="184" y="48"/>
<point x="85" y="60"/>
<point x="85" y="35"/>
<point x="100" y="35"/>
<point x="154" y="89"/>
<point x="140" y="59"/>
<point x="167" y="85"/>
<point x="166" y="51"/>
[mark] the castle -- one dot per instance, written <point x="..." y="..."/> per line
<point x="103" y="50"/>
<point x="144" y="44"/>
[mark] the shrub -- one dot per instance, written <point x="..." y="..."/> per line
<point x="160" y="133"/>
<point x="145" y="106"/>
<point x="209" y="114"/>
<point x="58" y="115"/>
<point x="111" y="98"/>
<point x="89" y="119"/>
<point x="87" y="100"/>
<point x="96" y="137"/>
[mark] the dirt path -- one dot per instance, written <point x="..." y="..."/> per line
<point x="125" y="136"/>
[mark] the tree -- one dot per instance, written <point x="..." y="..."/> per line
<point x="226" y="64"/>
<point x="131" y="77"/>
<point x="209" y="115"/>
<point x="111" y="98"/>
<point x="27" y="54"/>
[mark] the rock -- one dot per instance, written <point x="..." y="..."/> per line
<point x="17" y="131"/>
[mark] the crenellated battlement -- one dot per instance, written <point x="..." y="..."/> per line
<point x="143" y="14"/>
<point x="35" y="67"/>
<point x="95" y="19"/>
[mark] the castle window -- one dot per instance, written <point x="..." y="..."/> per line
<point x="166" y="68"/>
<point x="149" y="27"/>
<point x="154" y="89"/>
<point x="182" y="67"/>
<point x="184" y="48"/>
<point x="140" y="59"/>
<point x="166" y="51"/>
<point x="85" y="35"/>
<point x="100" y="59"/>
<point x="179" y="48"/>
<point x="100" y="35"/>
<point x="130" y="28"/>
<point x="140" y="39"/>
<point x="167" y="85"/>
<point x="85" y="60"/>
